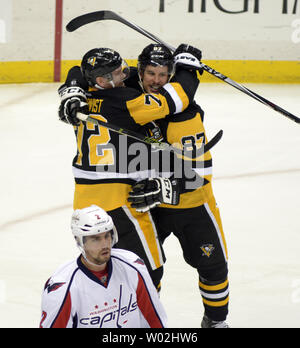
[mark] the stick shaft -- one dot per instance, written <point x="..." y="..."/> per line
<point x="123" y="131"/>
<point x="105" y="15"/>
<point x="149" y="141"/>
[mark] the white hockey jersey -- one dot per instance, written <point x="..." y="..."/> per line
<point x="75" y="297"/>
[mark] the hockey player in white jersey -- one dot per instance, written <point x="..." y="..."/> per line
<point x="104" y="287"/>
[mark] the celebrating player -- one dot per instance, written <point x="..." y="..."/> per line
<point x="196" y="220"/>
<point x="105" y="287"/>
<point x="105" y="165"/>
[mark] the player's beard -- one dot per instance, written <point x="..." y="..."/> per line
<point x="101" y="258"/>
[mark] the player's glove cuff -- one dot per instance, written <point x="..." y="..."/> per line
<point x="73" y="101"/>
<point x="188" y="57"/>
<point x="149" y="193"/>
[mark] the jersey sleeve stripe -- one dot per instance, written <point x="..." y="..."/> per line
<point x="61" y="320"/>
<point x="63" y="315"/>
<point x="102" y="175"/>
<point x="146" y="306"/>
<point x="144" y="299"/>
<point x="175" y="97"/>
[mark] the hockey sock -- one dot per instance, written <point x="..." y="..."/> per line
<point x="215" y="297"/>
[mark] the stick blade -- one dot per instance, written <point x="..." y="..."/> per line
<point x="79" y="21"/>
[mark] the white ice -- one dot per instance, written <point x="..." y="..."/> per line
<point x="257" y="187"/>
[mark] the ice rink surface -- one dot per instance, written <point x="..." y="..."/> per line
<point x="256" y="184"/>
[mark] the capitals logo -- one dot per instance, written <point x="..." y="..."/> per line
<point x="50" y="287"/>
<point x="113" y="313"/>
<point x="139" y="261"/>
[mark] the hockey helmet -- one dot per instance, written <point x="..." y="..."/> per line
<point x="90" y="221"/>
<point x="156" y="55"/>
<point x="102" y="62"/>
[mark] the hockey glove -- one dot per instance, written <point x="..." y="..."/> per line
<point x="153" y="131"/>
<point x="149" y="193"/>
<point x="188" y="57"/>
<point x="73" y="100"/>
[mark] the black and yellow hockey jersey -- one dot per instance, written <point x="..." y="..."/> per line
<point x="106" y="163"/>
<point x="185" y="130"/>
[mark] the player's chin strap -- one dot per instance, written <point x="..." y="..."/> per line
<point x="112" y="83"/>
<point x="99" y="87"/>
<point x="141" y="84"/>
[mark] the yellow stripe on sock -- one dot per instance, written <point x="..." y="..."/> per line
<point x="217" y="303"/>
<point x="213" y="287"/>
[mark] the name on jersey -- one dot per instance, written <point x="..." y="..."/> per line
<point x="94" y="105"/>
<point x="114" y="314"/>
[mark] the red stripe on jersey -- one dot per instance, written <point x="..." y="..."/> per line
<point x="145" y="305"/>
<point x="62" y="319"/>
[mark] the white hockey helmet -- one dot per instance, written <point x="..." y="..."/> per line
<point x="90" y="221"/>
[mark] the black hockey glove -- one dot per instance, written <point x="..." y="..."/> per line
<point x="188" y="57"/>
<point x="73" y="100"/>
<point x="149" y="193"/>
<point x="153" y="131"/>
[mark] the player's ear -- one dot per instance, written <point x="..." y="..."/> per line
<point x="101" y="81"/>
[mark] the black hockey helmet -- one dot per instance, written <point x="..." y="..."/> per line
<point x="156" y="55"/>
<point x="100" y="62"/>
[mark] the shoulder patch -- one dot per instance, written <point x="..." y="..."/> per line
<point x="139" y="261"/>
<point x="53" y="286"/>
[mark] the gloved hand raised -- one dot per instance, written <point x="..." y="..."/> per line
<point x="188" y="57"/>
<point x="73" y="100"/>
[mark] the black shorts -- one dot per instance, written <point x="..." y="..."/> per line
<point x="137" y="233"/>
<point x="199" y="231"/>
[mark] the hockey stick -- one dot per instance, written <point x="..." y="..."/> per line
<point x="158" y="145"/>
<point x="137" y="136"/>
<point x="79" y="21"/>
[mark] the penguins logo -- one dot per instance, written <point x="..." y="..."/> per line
<point x="92" y="61"/>
<point x="207" y="249"/>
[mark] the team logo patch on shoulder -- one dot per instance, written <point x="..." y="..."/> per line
<point x="207" y="249"/>
<point x="139" y="261"/>
<point x="54" y="286"/>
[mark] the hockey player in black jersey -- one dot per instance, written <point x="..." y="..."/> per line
<point x="104" y="166"/>
<point x="196" y="220"/>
